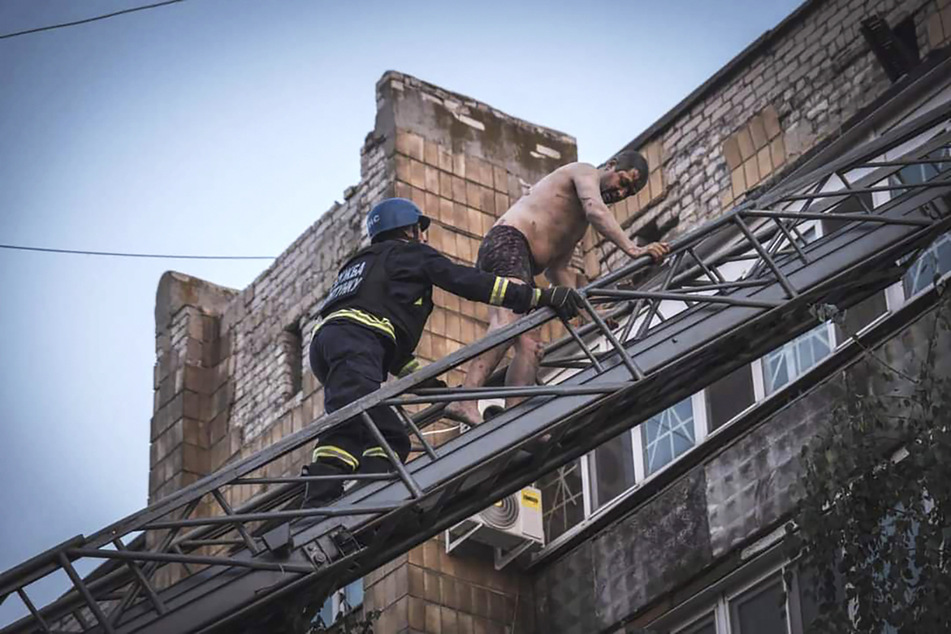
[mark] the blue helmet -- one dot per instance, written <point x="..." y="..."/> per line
<point x="394" y="213"/>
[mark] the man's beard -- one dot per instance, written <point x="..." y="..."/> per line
<point x="610" y="196"/>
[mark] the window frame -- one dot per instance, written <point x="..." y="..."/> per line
<point x="718" y="598"/>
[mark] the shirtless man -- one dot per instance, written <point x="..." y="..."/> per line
<point x="539" y="233"/>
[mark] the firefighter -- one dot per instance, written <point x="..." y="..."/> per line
<point x="371" y="321"/>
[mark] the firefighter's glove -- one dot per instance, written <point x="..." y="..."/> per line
<point x="565" y="300"/>
<point x="434" y="382"/>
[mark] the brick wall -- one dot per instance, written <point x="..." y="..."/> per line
<point x="428" y="590"/>
<point x="808" y="77"/>
<point x="938" y="26"/>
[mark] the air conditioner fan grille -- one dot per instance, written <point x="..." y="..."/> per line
<point x="503" y="514"/>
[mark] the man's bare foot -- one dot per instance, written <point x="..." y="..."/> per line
<point x="465" y="412"/>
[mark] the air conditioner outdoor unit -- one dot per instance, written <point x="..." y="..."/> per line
<point x="511" y="526"/>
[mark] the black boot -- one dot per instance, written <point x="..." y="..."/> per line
<point x="319" y="492"/>
<point x="375" y="465"/>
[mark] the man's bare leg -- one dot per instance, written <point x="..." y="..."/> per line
<point x="524" y="367"/>
<point x="481" y="367"/>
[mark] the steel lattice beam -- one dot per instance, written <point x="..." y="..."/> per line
<point x="725" y="324"/>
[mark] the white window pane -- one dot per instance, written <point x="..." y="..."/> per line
<point x="668" y="434"/>
<point x="796" y="357"/>
<point x="776" y="373"/>
<point x="760" y="610"/>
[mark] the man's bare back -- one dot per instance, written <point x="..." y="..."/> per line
<point x="552" y="218"/>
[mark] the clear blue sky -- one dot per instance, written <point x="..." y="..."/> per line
<point x="226" y="127"/>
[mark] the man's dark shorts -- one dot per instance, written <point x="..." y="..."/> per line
<point x="505" y="252"/>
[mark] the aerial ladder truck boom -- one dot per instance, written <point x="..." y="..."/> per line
<point x="253" y="566"/>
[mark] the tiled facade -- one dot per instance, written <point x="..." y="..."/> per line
<point x="428" y="590"/>
<point x="753" y="154"/>
<point x="231" y="375"/>
<point x="938" y="25"/>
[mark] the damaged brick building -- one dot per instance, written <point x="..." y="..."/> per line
<point x="622" y="550"/>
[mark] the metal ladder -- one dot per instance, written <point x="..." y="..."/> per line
<point x="267" y="565"/>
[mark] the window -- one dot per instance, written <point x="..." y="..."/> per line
<point x="792" y="360"/>
<point x="667" y="435"/>
<point x="562" y="500"/>
<point x="340" y="603"/>
<point x="761" y="607"/>
<point x="861" y="315"/>
<point x="729" y="396"/>
<point x="611" y="469"/>
<point x="936" y="260"/>
<point x="760" y="610"/>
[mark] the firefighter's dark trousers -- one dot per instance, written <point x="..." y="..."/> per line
<point x="351" y="362"/>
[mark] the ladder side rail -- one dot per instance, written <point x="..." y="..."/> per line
<point x="345" y="518"/>
<point x="141" y="520"/>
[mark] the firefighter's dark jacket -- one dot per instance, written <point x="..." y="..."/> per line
<point x="388" y="287"/>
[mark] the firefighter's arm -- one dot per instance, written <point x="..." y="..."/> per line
<point x="473" y="284"/>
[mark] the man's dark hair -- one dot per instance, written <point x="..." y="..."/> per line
<point x="631" y="159"/>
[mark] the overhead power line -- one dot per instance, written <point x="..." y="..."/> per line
<point x="138" y="255"/>
<point x="87" y="20"/>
